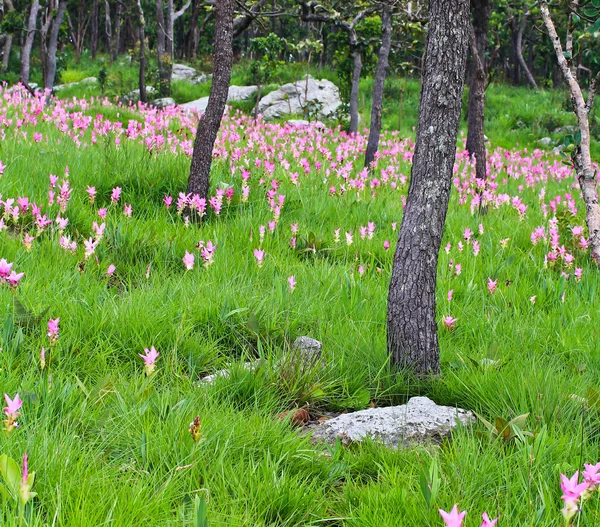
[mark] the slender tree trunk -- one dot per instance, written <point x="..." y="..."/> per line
<point x="411" y="322"/>
<point x="520" y="51"/>
<point x="164" y="81"/>
<point x="108" y="28"/>
<point x="28" y="44"/>
<point x="53" y="46"/>
<point x="116" y="44"/>
<point x="142" y="74"/>
<point x="582" y="159"/>
<point x="8" y="39"/>
<point x="513" y="57"/>
<point x="482" y="10"/>
<point x="208" y="127"/>
<point x="94" y="37"/>
<point x="354" y="91"/>
<point x="382" y="67"/>
<point x="192" y="36"/>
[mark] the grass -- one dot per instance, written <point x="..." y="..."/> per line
<point x="112" y="447"/>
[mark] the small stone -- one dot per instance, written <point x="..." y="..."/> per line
<point x="420" y="420"/>
<point x="164" y="102"/>
<point x="545" y="141"/>
<point x="226" y="373"/>
<point x="306" y="352"/>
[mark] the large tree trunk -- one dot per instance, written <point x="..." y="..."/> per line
<point x="8" y="39"/>
<point x="50" y="76"/>
<point x="356" y="71"/>
<point x="199" y="181"/>
<point x="582" y="159"/>
<point x="95" y="30"/>
<point x="482" y="10"/>
<point x="142" y="73"/>
<point x="28" y="43"/>
<point x="382" y="67"/>
<point x="520" y="51"/>
<point x="411" y="322"/>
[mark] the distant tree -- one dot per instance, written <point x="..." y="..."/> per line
<point x="411" y="321"/>
<point x="9" y="10"/>
<point x="54" y="15"/>
<point x="28" y="42"/>
<point x="142" y="72"/>
<point x="208" y="127"/>
<point x="580" y="146"/>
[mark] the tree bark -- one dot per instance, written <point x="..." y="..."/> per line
<point x="520" y="51"/>
<point x="208" y="127"/>
<point x="94" y="36"/>
<point x="28" y="44"/>
<point x="411" y="322"/>
<point x="116" y="45"/>
<point x="582" y="159"/>
<point x="142" y="73"/>
<point x="354" y="91"/>
<point x="8" y="39"/>
<point x="164" y="77"/>
<point x="378" y="88"/>
<point x="482" y="10"/>
<point x="108" y="28"/>
<point x="50" y="76"/>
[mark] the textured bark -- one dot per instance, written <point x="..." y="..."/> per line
<point x="8" y="40"/>
<point x="208" y="127"/>
<point x="382" y="68"/>
<point x="108" y="27"/>
<point x="243" y="22"/>
<point x="116" y="44"/>
<point x="164" y="71"/>
<point x="582" y="159"/>
<point x="354" y="90"/>
<point x="522" y="62"/>
<point x="142" y="73"/>
<point x="50" y="76"/>
<point x="28" y="43"/>
<point x="192" y="36"/>
<point x="95" y="29"/>
<point x="411" y="322"/>
<point x="476" y="110"/>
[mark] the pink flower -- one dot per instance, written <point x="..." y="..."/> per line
<point x="458" y="269"/>
<point x="591" y="475"/>
<point x="349" y="238"/>
<point x="453" y="518"/>
<point x="259" y="254"/>
<point x="12" y="406"/>
<point x="572" y="489"/>
<point x="102" y="213"/>
<point x="386" y="245"/>
<point x="294" y="228"/>
<point x="450" y="295"/>
<point x="150" y="356"/>
<point x="487" y="522"/>
<point x="91" y="191"/>
<point x="42" y="358"/>
<point x="90" y="247"/>
<point x="449" y="322"/>
<point x="116" y="194"/>
<point x="167" y="200"/>
<point x="111" y="269"/>
<point x="578" y="273"/>
<point x="292" y="283"/>
<point x="491" y="285"/>
<point x="188" y="261"/>
<point x="53" y="329"/>
<point x="37" y="137"/>
<point x="13" y="279"/>
<point x="5" y="268"/>
<point x="127" y="210"/>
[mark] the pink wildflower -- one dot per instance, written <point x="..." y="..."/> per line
<point x="150" y="356"/>
<point x="491" y="285"/>
<point x="259" y="254"/>
<point x="453" y="518"/>
<point x="53" y="329"/>
<point x="292" y="283"/>
<point x="449" y="322"/>
<point x="188" y="261"/>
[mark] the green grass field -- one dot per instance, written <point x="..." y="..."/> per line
<point x="111" y="447"/>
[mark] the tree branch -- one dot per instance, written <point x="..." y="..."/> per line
<point x="179" y="13"/>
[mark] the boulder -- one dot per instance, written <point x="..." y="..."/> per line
<point x="164" y="102"/>
<point x="545" y="141"/>
<point x="241" y="93"/>
<point x="87" y="80"/>
<point x="566" y="130"/>
<point x="292" y="98"/>
<point x="135" y="94"/>
<point x="420" y="420"/>
<point x="181" y="72"/>
<point x="298" y="122"/>
<point x="199" y="105"/>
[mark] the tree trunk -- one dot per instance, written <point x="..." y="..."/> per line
<point x="108" y="28"/>
<point x="94" y="37"/>
<point x="142" y="74"/>
<point x="482" y="10"/>
<point x="53" y="46"/>
<point x="199" y="180"/>
<point x="192" y="35"/>
<point x="8" y="40"/>
<point x="357" y="62"/>
<point x="28" y="44"/>
<point x="582" y="159"/>
<point x="382" y="67"/>
<point x="520" y="51"/>
<point x="513" y="55"/>
<point x="164" y="77"/>
<point x="115" y="46"/>
<point x="411" y="322"/>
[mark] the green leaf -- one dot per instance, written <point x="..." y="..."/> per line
<point x="11" y="473"/>
<point x="594" y="27"/>
<point x="200" y="511"/>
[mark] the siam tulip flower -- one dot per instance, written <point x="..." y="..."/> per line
<point x="28" y="241"/>
<point x="13" y="279"/>
<point x="450" y="295"/>
<point x="394" y="226"/>
<point x="449" y="322"/>
<point x="26" y="483"/>
<point x="448" y="247"/>
<point x="476" y="247"/>
<point x="53" y="180"/>
<point x="487" y="522"/>
<point x="572" y="492"/>
<point x="261" y="233"/>
<point x="149" y="357"/>
<point x="102" y="213"/>
<point x="37" y="137"/>
<point x="336" y="235"/>
<point x="460" y="247"/>
<point x="5" y="269"/>
<point x="371" y="229"/>
<point x="42" y="359"/>
<point x="349" y="238"/>
<point x="148" y="271"/>
<point x="111" y="270"/>
<point x="504" y="243"/>
<point x="481" y="228"/>
<point x="90" y="247"/>
<point x="491" y="285"/>
<point x="578" y="273"/>
<point x="91" y="191"/>
<point x="66" y="243"/>
<point x="195" y="429"/>
<point x="292" y="283"/>
<point x="259" y="254"/>
<point x="467" y="234"/>
<point x="208" y="252"/>
<point x="127" y="210"/>
<point x="272" y="225"/>
<point x="168" y="200"/>
<point x="293" y="242"/>
<point x="363" y="232"/>
<point x="453" y="518"/>
<point x="12" y="413"/>
<point x="361" y="270"/>
<point x="116" y="194"/>
<point x="533" y="299"/>
<point x="294" y="228"/>
<point x="458" y="269"/>
<point x="53" y="330"/>
<point x="188" y="261"/>
<point x="2" y="168"/>
<point x="61" y="224"/>
<point x="98" y="230"/>
<point x="386" y="245"/>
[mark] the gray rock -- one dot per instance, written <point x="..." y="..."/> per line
<point x="181" y="72"/>
<point x="420" y="420"/>
<point x="87" y="80"/>
<point x="564" y="130"/>
<point x="164" y="102"/>
<point x="241" y="93"/>
<point x="199" y="105"/>
<point x="292" y="98"/>
<point x="298" y="122"/>
<point x="306" y="352"/>
<point x="545" y="141"/>
<point x="135" y="94"/>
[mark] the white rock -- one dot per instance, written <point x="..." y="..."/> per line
<point x="87" y="80"/>
<point x="241" y="93"/>
<point x="292" y="98"/>
<point x="298" y="122"/>
<point x="199" y="105"/>
<point x="135" y="94"/>
<point x="181" y="72"/>
<point x="545" y="141"/>
<point x="418" y="421"/>
<point x="225" y="374"/>
<point x="164" y="102"/>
